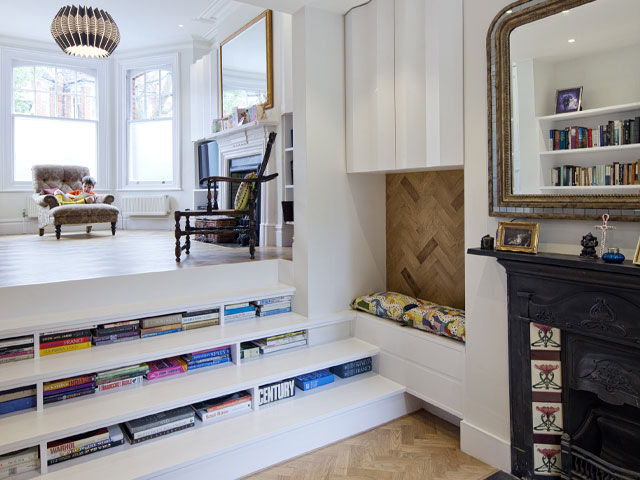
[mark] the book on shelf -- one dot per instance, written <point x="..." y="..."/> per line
<point x="277" y="348"/>
<point x="17" y="404"/>
<point x="249" y="350"/>
<point x="276" y="391"/>
<point x="120" y="384"/>
<point x="211" y="352"/>
<point x="123" y="323"/>
<point x="223" y="407"/>
<point x="240" y="316"/>
<point x="236" y="310"/>
<point x="208" y="362"/>
<point x="200" y="324"/>
<point x="115" y="373"/>
<point x="233" y="306"/>
<point x="172" y="319"/>
<point x="20" y="342"/>
<point x="105" y="380"/>
<point x="86" y="451"/>
<point x="69" y="395"/>
<point x="15" y="393"/>
<point x="597" y="175"/>
<point x="200" y="315"/>
<point x="68" y="341"/>
<point x="282" y="338"/>
<point x="105" y="330"/>
<point x="166" y="367"/>
<point x="21" y="456"/>
<point x="64" y="348"/>
<point x="189" y="424"/>
<point x="115" y="437"/>
<point x="100" y="343"/>
<point x="70" y="388"/>
<point x="76" y="441"/>
<point x="162" y="328"/>
<point x="20" y="468"/>
<point x="266" y="301"/>
<point x="68" y="382"/>
<point x="63" y="335"/>
<point x="315" y="379"/>
<point x="159" y="423"/>
<point x="16" y="356"/>
<point x="273" y="306"/>
<point x="273" y="312"/>
<point x="350" y="369"/>
<point x="150" y="432"/>
<point x="17" y="350"/>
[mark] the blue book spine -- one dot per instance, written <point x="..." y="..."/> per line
<point x="314" y="383"/>
<point x="17" y="404"/>
<point x="274" y="312"/>
<point x="267" y="301"/>
<point x="155" y="334"/>
<point x="217" y="361"/>
<point x="231" y="311"/>
<point x="215" y="353"/>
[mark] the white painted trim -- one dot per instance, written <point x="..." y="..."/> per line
<point x="485" y="446"/>
<point x="122" y="102"/>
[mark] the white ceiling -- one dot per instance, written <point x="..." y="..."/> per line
<point x="142" y="23"/>
<point x="598" y="26"/>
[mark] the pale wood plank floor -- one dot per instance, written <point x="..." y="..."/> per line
<point x="30" y="259"/>
<point x="418" y="446"/>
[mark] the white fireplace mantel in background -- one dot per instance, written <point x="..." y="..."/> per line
<point x="245" y="141"/>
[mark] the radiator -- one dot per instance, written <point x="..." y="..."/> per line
<point x="143" y="206"/>
<point x="32" y="207"/>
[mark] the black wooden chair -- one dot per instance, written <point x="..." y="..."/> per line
<point x="213" y="210"/>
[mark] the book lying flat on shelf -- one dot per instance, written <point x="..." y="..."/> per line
<point x="276" y="391"/>
<point x="276" y="348"/>
<point x="158" y="321"/>
<point x="266" y="301"/>
<point x="63" y="335"/>
<point x="19" y="469"/>
<point x="200" y="324"/>
<point x="69" y="395"/>
<point x="249" y="350"/>
<point x="65" y="348"/>
<point x="201" y="315"/>
<point x="132" y="370"/>
<point x="350" y="369"/>
<point x="19" y="392"/>
<point x="120" y="384"/>
<point x="115" y="437"/>
<point x="282" y="338"/>
<point x="18" y="457"/>
<point x="208" y="362"/>
<point x="17" y="403"/>
<point x="16" y="342"/>
<point x="161" y="423"/>
<point x="76" y="441"/>
<point x="166" y="367"/>
<point x="212" y="352"/>
<point x="223" y="407"/>
<point x="314" y="379"/>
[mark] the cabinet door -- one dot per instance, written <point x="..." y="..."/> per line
<point x="369" y="52"/>
<point x="204" y="95"/>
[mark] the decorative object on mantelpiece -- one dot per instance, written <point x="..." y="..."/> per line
<point x="605" y="227"/>
<point x="518" y="237"/>
<point x="85" y="32"/>
<point x="569" y="100"/>
<point x="636" y="256"/>
<point x="613" y="255"/>
<point x="589" y="244"/>
<point x="486" y="242"/>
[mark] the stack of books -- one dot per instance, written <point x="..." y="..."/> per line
<point x="120" y="378"/>
<point x="201" y="318"/>
<point x="166" y="367"/>
<point x="22" y="461"/>
<point x="239" y="311"/>
<point x="223" y="407"/>
<point x="71" y="387"/>
<point x="314" y="379"/>
<point x="159" y="424"/>
<point x="207" y="358"/>
<point x="249" y="350"/>
<point x="350" y="369"/>
<point x="283" y="341"/>
<point x="116" y="332"/>
<point x="17" y="348"/>
<point x="84" y="444"/>
<point x="276" y="391"/>
<point x="606" y="174"/>
<point x="16" y="399"/>
<point x="64" y="341"/>
<point x="614" y="132"/>
<point x="273" y="306"/>
<point x="161" y="325"/>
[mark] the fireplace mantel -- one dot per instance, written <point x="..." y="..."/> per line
<point x="574" y="364"/>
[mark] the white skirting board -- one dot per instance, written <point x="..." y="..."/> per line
<point x="258" y="456"/>
<point x="485" y="446"/>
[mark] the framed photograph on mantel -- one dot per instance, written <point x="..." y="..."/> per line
<point x="569" y="100"/>
<point x="518" y="237"/>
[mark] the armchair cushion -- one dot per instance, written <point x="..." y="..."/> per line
<point x="242" y="195"/>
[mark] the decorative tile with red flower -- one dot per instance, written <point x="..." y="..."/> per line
<point x="546" y="375"/>
<point x="547" y="417"/>
<point x="546" y="459"/>
<point x="544" y="337"/>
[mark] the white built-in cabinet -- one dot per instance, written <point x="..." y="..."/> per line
<point x="404" y="85"/>
<point x="203" y="95"/>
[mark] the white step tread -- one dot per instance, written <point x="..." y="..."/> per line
<point x="95" y="359"/>
<point x="15" y="326"/>
<point x="205" y="441"/>
<point x="93" y="411"/>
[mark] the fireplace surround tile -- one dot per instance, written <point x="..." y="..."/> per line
<point x="547" y="418"/>
<point x="544" y="337"/>
<point x="546" y="375"/>
<point x="547" y="459"/>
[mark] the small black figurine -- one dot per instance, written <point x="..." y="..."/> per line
<point x="589" y="244"/>
<point x="486" y="243"/>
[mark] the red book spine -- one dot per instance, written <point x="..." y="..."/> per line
<point x="590" y="138"/>
<point x="68" y="341"/>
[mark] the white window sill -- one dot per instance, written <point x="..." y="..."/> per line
<point x="150" y="189"/>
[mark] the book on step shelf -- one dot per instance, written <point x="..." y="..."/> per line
<point x="172" y="319"/>
<point x="160" y="330"/>
<point x="276" y="391"/>
<point x="223" y="407"/>
<point x="158" y="424"/>
<point x="200" y="324"/>
<point x="19" y="392"/>
<point x="267" y="301"/>
<point x="17" y="399"/>
<point x="166" y="367"/>
<point x="20" y="468"/>
<point x="282" y="338"/>
<point x="65" y="348"/>
<point x="200" y="315"/>
<point x="113" y="437"/>
<point x="315" y="379"/>
<point x="113" y="328"/>
<point x="19" y="457"/>
<point x="264" y="349"/>
<point x="355" y="367"/>
<point x="63" y="335"/>
<point x="211" y="352"/>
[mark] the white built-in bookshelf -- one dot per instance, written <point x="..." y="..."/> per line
<point x="585" y="157"/>
<point x="330" y="343"/>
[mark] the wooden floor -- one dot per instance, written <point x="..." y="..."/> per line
<point x="418" y="446"/>
<point x="30" y="259"/>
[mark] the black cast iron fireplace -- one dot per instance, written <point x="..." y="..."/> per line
<point x="574" y="366"/>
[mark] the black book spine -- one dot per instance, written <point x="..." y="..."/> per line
<point x="102" y="332"/>
<point x="636" y="136"/>
<point x="626" y="134"/>
<point x="160" y="434"/>
<point x="54" y="337"/>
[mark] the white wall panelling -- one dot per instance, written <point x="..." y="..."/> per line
<point x="204" y="94"/>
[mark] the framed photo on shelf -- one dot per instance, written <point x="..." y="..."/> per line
<point x="636" y="257"/>
<point x="569" y="100"/>
<point x="518" y="237"/>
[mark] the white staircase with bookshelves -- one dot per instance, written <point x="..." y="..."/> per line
<point x="230" y="448"/>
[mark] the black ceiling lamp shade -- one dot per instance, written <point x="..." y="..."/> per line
<point x="85" y="32"/>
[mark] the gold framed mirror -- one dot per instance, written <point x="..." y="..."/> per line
<point x="246" y="66"/>
<point x="557" y="73"/>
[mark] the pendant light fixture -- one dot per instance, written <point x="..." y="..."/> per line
<point x="85" y="31"/>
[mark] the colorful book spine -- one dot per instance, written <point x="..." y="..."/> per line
<point x="214" y="352"/>
<point x="86" y="451"/>
<point x="55" y="336"/>
<point x="69" y="395"/>
<point x="119" y="384"/>
<point x="64" y="348"/>
<point x="16" y="341"/>
<point x="66" y="453"/>
<point x="233" y="311"/>
<point x="166" y="367"/>
<point x="17" y="404"/>
<point x="266" y="301"/>
<point x="141" y="369"/>
<point x="68" y="341"/>
<point x="69" y="388"/>
<point x="162" y="328"/>
<point x="352" y="368"/>
<point x="155" y="334"/>
<point x="225" y="411"/>
<point x="209" y="363"/>
<point x="77" y="441"/>
<point x="274" y="312"/>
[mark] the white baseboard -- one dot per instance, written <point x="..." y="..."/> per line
<point x="267" y="452"/>
<point x="485" y="446"/>
<point x="443" y="414"/>
<point x="14" y="226"/>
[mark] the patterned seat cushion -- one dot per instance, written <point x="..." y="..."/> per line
<point x="437" y="319"/>
<point x="84" y="213"/>
<point x="389" y="305"/>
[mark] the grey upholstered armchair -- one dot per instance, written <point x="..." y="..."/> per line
<point x="46" y="178"/>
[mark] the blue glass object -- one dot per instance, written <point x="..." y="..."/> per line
<point x="613" y="256"/>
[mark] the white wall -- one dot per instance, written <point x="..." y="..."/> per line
<point x="485" y="429"/>
<point x="339" y="245"/>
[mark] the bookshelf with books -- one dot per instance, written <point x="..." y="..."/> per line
<point x="580" y="152"/>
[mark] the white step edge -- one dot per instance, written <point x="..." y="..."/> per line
<point x="95" y="359"/>
<point x="81" y="318"/>
<point x="205" y="441"/>
<point x="95" y="411"/>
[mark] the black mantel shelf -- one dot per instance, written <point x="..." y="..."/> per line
<point x="561" y="260"/>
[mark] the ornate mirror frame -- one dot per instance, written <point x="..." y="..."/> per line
<point x="502" y="201"/>
<point x="269" y="56"/>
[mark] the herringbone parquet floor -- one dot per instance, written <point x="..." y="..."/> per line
<point x="418" y="446"/>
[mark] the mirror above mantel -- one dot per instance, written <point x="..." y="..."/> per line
<point x="546" y="162"/>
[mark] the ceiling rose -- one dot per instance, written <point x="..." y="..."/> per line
<point x="85" y="31"/>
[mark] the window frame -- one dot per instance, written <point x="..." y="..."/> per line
<point x="171" y="61"/>
<point x="11" y="55"/>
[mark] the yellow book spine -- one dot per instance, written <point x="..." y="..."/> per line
<point x="64" y="348"/>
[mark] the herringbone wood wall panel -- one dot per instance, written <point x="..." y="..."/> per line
<point x="425" y="235"/>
